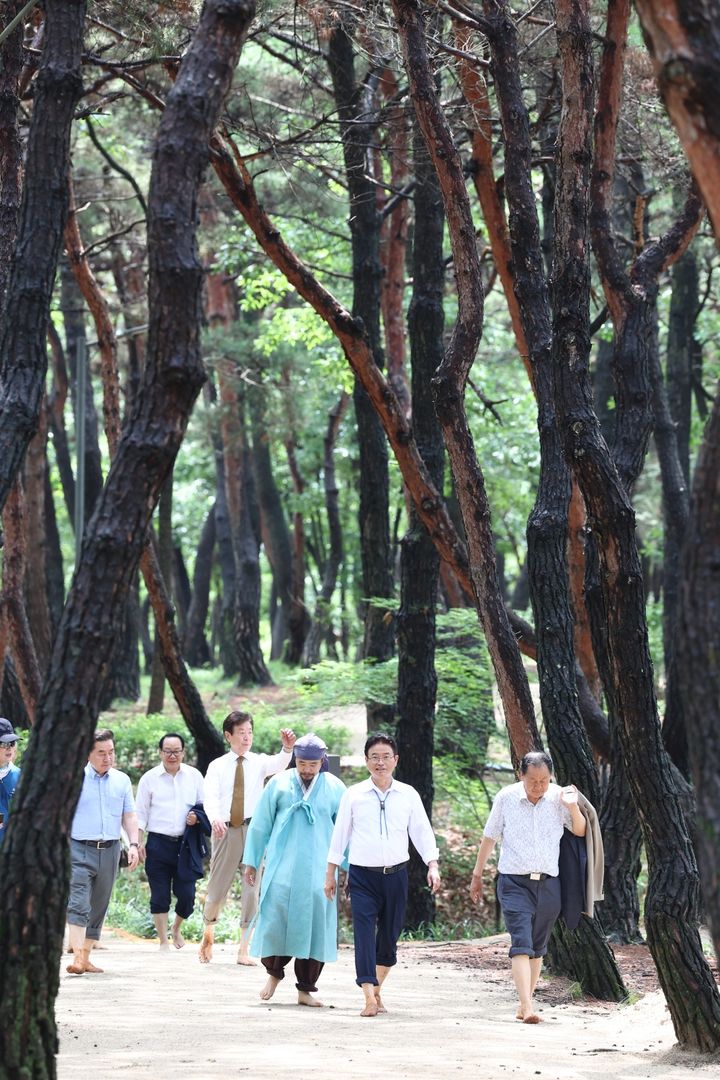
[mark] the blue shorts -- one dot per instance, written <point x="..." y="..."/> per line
<point x="530" y="909"/>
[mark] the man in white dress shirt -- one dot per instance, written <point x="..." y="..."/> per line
<point x="374" y="821"/>
<point x="528" y="818"/>
<point x="233" y="786"/>
<point x="164" y="799"/>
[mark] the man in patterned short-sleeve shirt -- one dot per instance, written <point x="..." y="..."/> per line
<point x="528" y="818"/>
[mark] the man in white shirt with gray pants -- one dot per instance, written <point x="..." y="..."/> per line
<point x="374" y="822"/>
<point x="233" y="786"/>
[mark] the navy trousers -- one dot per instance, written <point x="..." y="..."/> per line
<point x="161" y="865"/>
<point x="530" y="909"/>
<point x="378" y="903"/>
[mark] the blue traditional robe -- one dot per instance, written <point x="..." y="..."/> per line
<point x="294" y="916"/>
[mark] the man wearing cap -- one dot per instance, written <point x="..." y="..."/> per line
<point x="166" y="796"/>
<point x="528" y="818"/>
<point x="233" y="786"/>
<point x="292" y="825"/>
<point x="106" y="806"/>
<point x="9" y="773"/>
<point x="375" y="822"/>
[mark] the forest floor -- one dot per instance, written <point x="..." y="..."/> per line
<point x="450" y="1013"/>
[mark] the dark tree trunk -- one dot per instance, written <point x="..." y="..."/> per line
<point x="275" y="530"/>
<point x="583" y="954"/>
<point x="73" y="310"/>
<point x="672" y="903"/>
<point x="34" y="894"/>
<point x="12" y="705"/>
<point x="181" y="587"/>
<point x="23" y="356"/>
<point x="356" y="109"/>
<point x="246" y="620"/>
<point x="195" y="644"/>
<point x="699" y="633"/>
<point x="35" y="583"/>
<point x="322" y="622"/>
<point x="163" y="551"/>
<point x="226" y="560"/>
<point x="53" y="558"/>
<point x="56" y="404"/>
<point x="419" y="561"/>
<point x="11" y="60"/>
<point x="123" y="681"/>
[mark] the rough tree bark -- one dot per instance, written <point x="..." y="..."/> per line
<point x="581" y="953"/>
<point x="195" y="645"/>
<point x="33" y="860"/>
<point x="419" y="560"/>
<point x="672" y="903"/>
<point x="23" y="358"/>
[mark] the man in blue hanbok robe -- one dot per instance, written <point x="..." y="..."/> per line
<point x="292" y="825"/>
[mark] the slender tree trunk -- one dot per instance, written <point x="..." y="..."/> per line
<point x="322" y="622"/>
<point x="163" y="551"/>
<point x="34" y="902"/>
<point x="35" y="586"/>
<point x="11" y="58"/>
<point x="356" y="108"/>
<point x="195" y="644"/>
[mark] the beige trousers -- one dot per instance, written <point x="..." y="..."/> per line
<point x="226" y="859"/>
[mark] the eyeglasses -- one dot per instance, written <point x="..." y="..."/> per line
<point x="377" y="758"/>
<point x="172" y="753"/>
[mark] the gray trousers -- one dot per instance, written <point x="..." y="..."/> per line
<point x="92" y="876"/>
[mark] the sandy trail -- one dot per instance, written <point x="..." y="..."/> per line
<point x="168" y="1016"/>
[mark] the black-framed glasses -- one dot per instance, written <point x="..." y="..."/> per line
<point x="172" y="753"/>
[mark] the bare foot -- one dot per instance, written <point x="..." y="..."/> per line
<point x="532" y="1018"/>
<point x="371" y="1008"/>
<point x="206" y="948"/>
<point x="178" y="939"/>
<point x="164" y="946"/>
<point x="245" y="960"/>
<point x="91" y="969"/>
<point x="307" y="999"/>
<point x="269" y="988"/>
<point x="76" y="968"/>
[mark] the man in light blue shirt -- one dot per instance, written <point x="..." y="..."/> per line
<point x="106" y="806"/>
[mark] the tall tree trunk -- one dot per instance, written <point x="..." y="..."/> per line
<point x="163" y="550"/>
<point x="419" y="561"/>
<point x="672" y="903"/>
<point x="582" y="953"/>
<point x="246" y="620"/>
<point x="23" y="356"/>
<point x="32" y="902"/>
<point x="321" y="622"/>
<point x="356" y="108"/>
<point x="699" y="633"/>
<point x="195" y="644"/>
<point x="35" y="584"/>
<point x="11" y="59"/>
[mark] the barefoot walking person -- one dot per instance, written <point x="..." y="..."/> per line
<point x="292" y="826"/>
<point x="528" y="818"/>
<point x="233" y="786"/>
<point x="375" y="820"/>
<point x="165" y="798"/>
<point x="106" y="806"/>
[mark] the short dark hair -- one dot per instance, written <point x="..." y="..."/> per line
<point x="535" y="760"/>
<point x="171" y="735"/>
<point x="103" y="735"/>
<point x="380" y="737"/>
<point x="234" y="719"/>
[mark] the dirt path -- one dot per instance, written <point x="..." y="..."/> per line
<point x="167" y="1016"/>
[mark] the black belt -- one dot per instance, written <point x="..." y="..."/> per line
<point x="534" y="877"/>
<point x="384" y="869"/>
<point x="167" y="836"/>
<point x="97" y="843"/>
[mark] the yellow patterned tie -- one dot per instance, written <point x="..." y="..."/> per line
<point x="237" y="806"/>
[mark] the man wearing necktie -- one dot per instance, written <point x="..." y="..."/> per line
<point x="375" y="821"/>
<point x="233" y="786"/>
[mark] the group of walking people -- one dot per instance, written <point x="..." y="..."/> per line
<point x="292" y="836"/>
